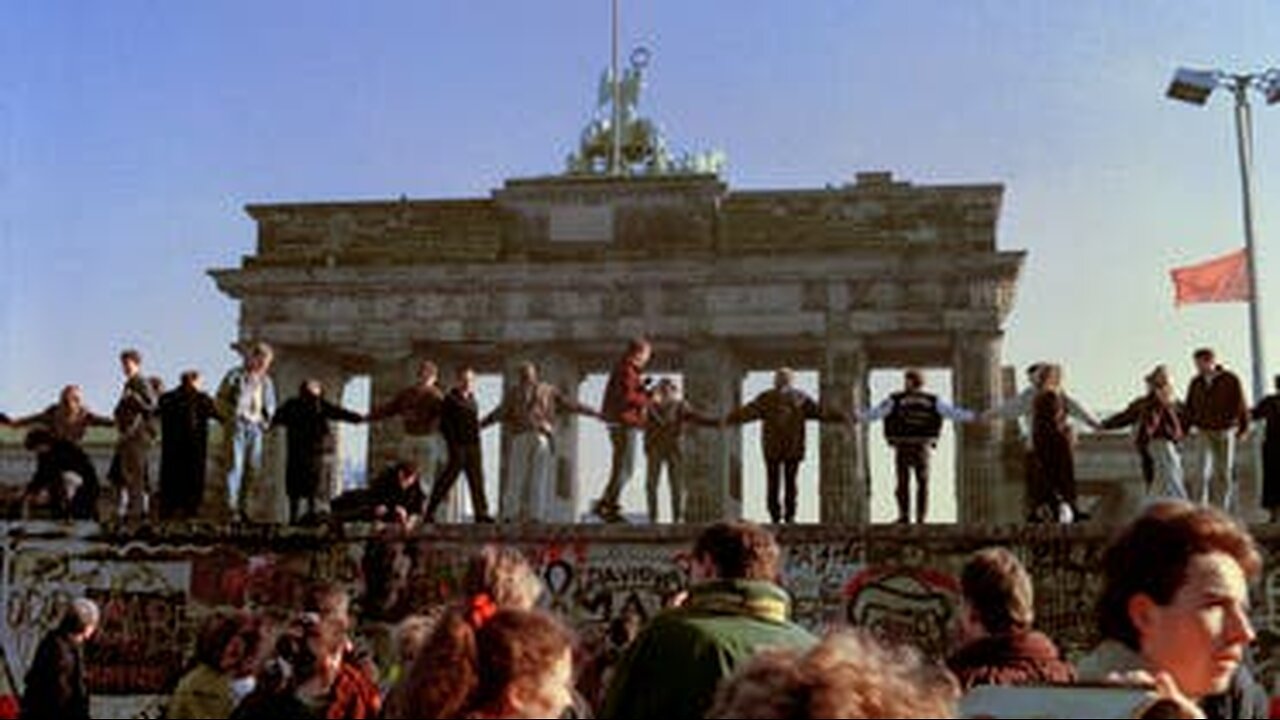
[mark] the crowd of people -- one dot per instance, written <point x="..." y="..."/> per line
<point x="441" y="440"/>
<point x="1172" y="613"/>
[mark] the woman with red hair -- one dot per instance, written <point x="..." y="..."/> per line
<point x="482" y="662"/>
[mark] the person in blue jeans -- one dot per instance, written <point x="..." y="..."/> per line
<point x="247" y="399"/>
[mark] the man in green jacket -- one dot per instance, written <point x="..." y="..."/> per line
<point x="734" y="609"/>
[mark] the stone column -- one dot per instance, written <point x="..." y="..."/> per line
<point x="713" y="383"/>
<point x="844" y="492"/>
<point x="563" y="371"/>
<point x="982" y="493"/>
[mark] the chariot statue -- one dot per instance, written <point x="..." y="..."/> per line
<point x="643" y="149"/>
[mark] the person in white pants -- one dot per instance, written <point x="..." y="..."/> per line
<point x="1156" y="417"/>
<point x="528" y="413"/>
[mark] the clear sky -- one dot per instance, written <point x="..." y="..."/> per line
<point x="132" y="133"/>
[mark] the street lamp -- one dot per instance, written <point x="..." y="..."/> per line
<point x="1194" y="87"/>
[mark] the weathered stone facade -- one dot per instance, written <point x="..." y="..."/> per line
<point x="562" y="270"/>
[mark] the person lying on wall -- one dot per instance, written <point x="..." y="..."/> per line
<point x="395" y="496"/>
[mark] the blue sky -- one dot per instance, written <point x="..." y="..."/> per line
<point x="132" y="133"/>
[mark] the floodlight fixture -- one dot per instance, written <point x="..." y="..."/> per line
<point x="1193" y="86"/>
<point x="1269" y="83"/>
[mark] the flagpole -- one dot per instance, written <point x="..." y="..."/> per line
<point x="1244" y="142"/>
<point x="615" y="155"/>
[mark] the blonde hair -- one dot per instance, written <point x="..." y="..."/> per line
<point x="505" y="575"/>
<point x="848" y="675"/>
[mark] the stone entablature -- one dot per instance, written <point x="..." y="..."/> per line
<point x="640" y="217"/>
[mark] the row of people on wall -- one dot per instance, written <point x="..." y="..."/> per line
<point x="441" y="440"/>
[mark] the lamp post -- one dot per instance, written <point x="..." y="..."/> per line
<point x="1194" y="87"/>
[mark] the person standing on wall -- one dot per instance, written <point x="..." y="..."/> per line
<point x="184" y="413"/>
<point x="528" y="412"/>
<point x="307" y="419"/>
<point x="1054" y="442"/>
<point x="1041" y="503"/>
<point x="135" y="433"/>
<point x="460" y="427"/>
<point x="783" y="411"/>
<point x="665" y="422"/>
<point x="1218" y="415"/>
<point x="1268" y="411"/>
<point x="912" y="424"/>
<point x="246" y="401"/>
<point x="1158" y="420"/>
<point x="625" y="401"/>
<point x="419" y="406"/>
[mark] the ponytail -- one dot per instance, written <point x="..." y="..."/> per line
<point x="443" y="676"/>
<point x="514" y="648"/>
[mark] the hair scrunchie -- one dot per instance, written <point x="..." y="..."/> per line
<point x="480" y="610"/>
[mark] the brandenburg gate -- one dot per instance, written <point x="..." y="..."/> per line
<point x="562" y="270"/>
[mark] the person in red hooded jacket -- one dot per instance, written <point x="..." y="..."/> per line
<point x="626" y="399"/>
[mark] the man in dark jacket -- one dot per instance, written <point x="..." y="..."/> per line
<point x="912" y="424"/>
<point x="419" y="407"/>
<point x="996" y="619"/>
<point x="135" y="433"/>
<point x="460" y="426"/>
<point x="665" y="422"/>
<point x="783" y="412"/>
<point x="1218" y="412"/>
<point x="55" y="688"/>
<point x="185" y="413"/>
<point x="65" y="482"/>
<point x="625" y="401"/>
<point x="307" y="417"/>
<point x="734" y="608"/>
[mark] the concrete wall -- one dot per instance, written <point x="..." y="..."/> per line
<point x="156" y="589"/>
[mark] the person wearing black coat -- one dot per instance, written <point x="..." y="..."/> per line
<point x="185" y="413"/>
<point x="55" y="687"/>
<point x="460" y="425"/>
<point x="65" y="481"/>
<point x="307" y="417"/>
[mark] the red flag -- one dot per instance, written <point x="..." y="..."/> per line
<point x="1223" y="279"/>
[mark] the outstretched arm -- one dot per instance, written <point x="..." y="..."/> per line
<point x="494" y="415"/>
<point x="564" y="403"/>
<point x="337" y="412"/>
<point x="1012" y="408"/>
<point x="44" y="417"/>
<point x="745" y="414"/>
<point x="879" y="412"/>
<point x="388" y="409"/>
<point x="955" y="413"/>
<point x="692" y="415"/>
<point x="1122" y="419"/>
<point x="1077" y="411"/>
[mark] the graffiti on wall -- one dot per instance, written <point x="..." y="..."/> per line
<point x="154" y="593"/>
<point x="143" y="632"/>
<point x="1067" y="583"/>
<point x="816" y="574"/>
<point x="905" y="605"/>
<point x="141" y="641"/>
